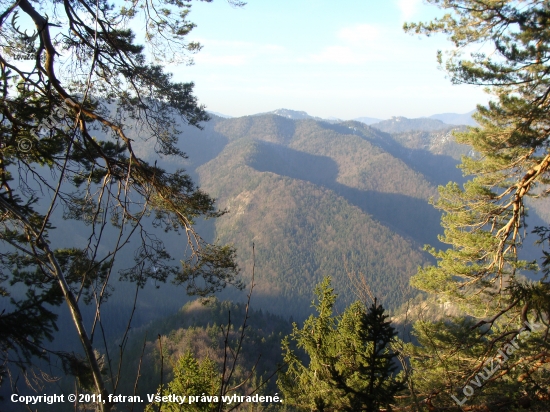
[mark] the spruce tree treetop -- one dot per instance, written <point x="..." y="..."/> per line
<point x="74" y="79"/>
<point x="351" y="364"/>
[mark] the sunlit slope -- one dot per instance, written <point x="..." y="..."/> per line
<point x="315" y="198"/>
<point x="360" y="164"/>
<point x="302" y="232"/>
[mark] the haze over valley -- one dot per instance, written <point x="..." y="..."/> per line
<point x="320" y="198"/>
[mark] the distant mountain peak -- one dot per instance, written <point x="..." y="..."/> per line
<point x="400" y="124"/>
<point x="292" y="114"/>
<point x="299" y="115"/>
<point x="456" y="118"/>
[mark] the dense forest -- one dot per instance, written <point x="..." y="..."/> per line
<point x="155" y="257"/>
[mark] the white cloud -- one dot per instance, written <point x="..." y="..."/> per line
<point x="357" y="44"/>
<point x="363" y="33"/>
<point x="408" y="8"/>
<point x="339" y="54"/>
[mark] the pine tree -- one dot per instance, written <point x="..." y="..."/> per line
<point x="350" y="364"/>
<point x="377" y="360"/>
<point x="484" y="221"/>
<point x="77" y="91"/>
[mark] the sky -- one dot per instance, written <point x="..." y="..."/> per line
<point x="343" y="59"/>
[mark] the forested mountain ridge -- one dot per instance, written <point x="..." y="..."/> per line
<point x="315" y="198"/>
<point x="400" y="124"/>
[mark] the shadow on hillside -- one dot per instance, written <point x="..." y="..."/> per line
<point x="438" y="169"/>
<point x="408" y="216"/>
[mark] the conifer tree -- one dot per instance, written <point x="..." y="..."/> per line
<point x="77" y="91"/>
<point x="484" y="221"/>
<point x="350" y="364"/>
<point x="191" y="377"/>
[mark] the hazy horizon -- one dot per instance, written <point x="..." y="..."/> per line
<point x="338" y="118"/>
<point x="345" y="61"/>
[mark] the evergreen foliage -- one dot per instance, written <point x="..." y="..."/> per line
<point x="74" y="82"/>
<point x="196" y="333"/>
<point x="191" y="377"/>
<point x="485" y="220"/>
<point x="350" y="363"/>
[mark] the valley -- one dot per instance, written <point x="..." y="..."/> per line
<point x="319" y="198"/>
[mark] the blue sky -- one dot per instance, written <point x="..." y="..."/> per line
<point x="345" y="58"/>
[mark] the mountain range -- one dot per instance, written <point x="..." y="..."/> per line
<point x="321" y="198"/>
<point x="316" y="198"/>
<point x="454" y="118"/>
<point x="447" y="118"/>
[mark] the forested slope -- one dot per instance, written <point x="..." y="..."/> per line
<point x="316" y="198"/>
